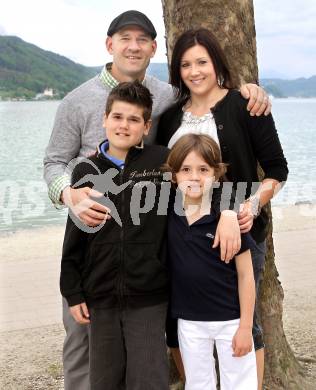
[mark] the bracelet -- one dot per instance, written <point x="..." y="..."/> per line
<point x="255" y="205"/>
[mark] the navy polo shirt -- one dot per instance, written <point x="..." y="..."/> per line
<point x="203" y="287"/>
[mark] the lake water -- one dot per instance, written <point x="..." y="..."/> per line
<point x="25" y="129"/>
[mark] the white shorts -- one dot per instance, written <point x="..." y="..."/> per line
<point x="196" y="342"/>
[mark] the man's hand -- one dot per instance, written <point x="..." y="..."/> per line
<point x="242" y="342"/>
<point x="80" y="313"/>
<point x="90" y="212"/>
<point x="245" y="217"/>
<point x="228" y="235"/>
<point x="259" y="102"/>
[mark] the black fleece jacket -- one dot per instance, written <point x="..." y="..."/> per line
<point x="127" y="263"/>
<point x="244" y="141"/>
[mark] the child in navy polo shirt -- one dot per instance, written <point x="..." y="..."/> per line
<point x="212" y="300"/>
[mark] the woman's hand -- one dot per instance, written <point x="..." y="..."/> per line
<point x="228" y="235"/>
<point x="245" y="217"/>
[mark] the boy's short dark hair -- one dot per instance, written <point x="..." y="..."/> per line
<point x="134" y="93"/>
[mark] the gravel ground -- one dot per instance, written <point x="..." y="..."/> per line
<point x="31" y="358"/>
<point x="299" y="317"/>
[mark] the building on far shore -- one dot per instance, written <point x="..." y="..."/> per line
<point x="48" y="93"/>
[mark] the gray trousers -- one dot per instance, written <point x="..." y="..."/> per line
<point x="75" y="353"/>
<point x="128" y="349"/>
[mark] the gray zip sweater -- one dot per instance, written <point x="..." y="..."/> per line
<point x="78" y="127"/>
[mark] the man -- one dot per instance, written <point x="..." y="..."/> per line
<point x="77" y="132"/>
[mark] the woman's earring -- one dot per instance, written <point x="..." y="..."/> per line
<point x="220" y="81"/>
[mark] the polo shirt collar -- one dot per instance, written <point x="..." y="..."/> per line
<point x="204" y="220"/>
<point x="179" y="211"/>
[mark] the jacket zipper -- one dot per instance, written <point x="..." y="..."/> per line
<point x="120" y="279"/>
<point x="121" y="266"/>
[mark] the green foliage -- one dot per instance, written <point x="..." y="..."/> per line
<point x="26" y="70"/>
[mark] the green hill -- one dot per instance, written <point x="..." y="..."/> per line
<point x="26" y="70"/>
<point x="302" y="87"/>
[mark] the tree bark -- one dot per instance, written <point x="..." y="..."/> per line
<point x="232" y="22"/>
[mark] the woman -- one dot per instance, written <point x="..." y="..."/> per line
<point x="207" y="103"/>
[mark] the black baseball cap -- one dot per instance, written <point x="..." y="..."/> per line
<point x="129" y="18"/>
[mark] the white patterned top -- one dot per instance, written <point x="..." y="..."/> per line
<point x="204" y="124"/>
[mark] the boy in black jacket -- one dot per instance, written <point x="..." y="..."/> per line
<point x="114" y="276"/>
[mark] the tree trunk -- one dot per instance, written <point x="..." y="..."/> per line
<point x="232" y="22"/>
<point x="282" y="370"/>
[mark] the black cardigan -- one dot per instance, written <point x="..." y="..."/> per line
<point x="244" y="141"/>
